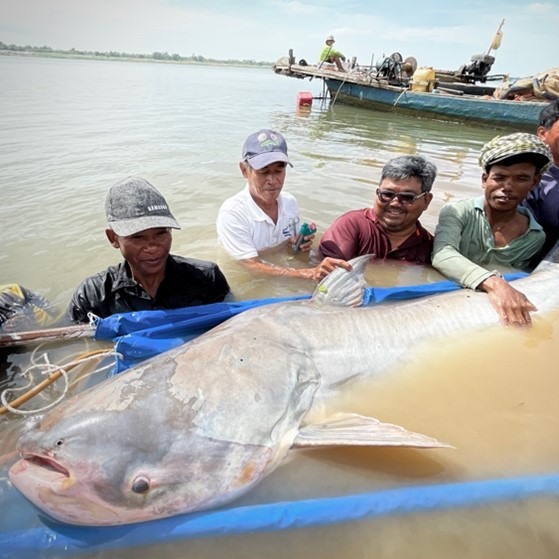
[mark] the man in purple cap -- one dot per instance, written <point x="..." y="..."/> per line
<point x="263" y="216"/>
<point x="139" y="225"/>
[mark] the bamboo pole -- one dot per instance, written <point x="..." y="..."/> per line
<point x="55" y="375"/>
<point x="62" y="333"/>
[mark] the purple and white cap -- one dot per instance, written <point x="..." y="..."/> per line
<point x="264" y="148"/>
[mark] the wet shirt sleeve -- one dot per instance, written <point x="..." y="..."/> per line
<point x="447" y="256"/>
<point x="340" y="240"/>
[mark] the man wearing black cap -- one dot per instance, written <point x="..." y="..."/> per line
<point x="263" y="216"/>
<point x="476" y="235"/>
<point x="139" y="225"/>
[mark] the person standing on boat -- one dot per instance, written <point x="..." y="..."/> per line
<point x="391" y="228"/>
<point x="263" y="215"/>
<point x="331" y="55"/>
<point x="543" y="201"/>
<point x="139" y="225"/>
<point x="476" y="235"/>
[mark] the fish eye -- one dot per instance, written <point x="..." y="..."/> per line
<point x="141" y="485"/>
<point x="59" y="442"/>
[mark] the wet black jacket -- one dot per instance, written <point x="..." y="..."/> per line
<point x="188" y="282"/>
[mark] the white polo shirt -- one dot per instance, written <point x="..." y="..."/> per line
<point x="244" y="230"/>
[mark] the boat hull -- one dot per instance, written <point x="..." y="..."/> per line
<point x="446" y="106"/>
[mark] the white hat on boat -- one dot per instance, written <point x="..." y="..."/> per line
<point x="330" y="38"/>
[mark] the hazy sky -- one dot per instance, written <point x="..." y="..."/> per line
<point x="439" y="33"/>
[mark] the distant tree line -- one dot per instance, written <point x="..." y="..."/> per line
<point x="159" y="56"/>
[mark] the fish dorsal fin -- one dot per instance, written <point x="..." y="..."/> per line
<point x="343" y="288"/>
<point x="351" y="429"/>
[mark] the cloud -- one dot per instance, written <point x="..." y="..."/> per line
<point x="542" y="9"/>
<point x="443" y="36"/>
<point x="294" y="7"/>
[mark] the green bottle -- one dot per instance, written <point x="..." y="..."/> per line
<point x="306" y="230"/>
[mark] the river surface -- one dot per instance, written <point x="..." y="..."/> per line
<point x="69" y="129"/>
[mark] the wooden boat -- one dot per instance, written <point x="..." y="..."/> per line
<point x="446" y="95"/>
<point x="461" y="95"/>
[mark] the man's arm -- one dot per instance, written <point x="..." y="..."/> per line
<point x="447" y="257"/>
<point x="327" y="265"/>
<point x="88" y="297"/>
<point x="339" y="240"/>
<point x="233" y="234"/>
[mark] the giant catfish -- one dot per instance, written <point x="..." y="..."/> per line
<point x="198" y="426"/>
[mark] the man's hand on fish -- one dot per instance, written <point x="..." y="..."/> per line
<point x="326" y="266"/>
<point x="513" y="306"/>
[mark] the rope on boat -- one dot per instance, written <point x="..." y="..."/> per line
<point x="339" y="88"/>
<point x="399" y="97"/>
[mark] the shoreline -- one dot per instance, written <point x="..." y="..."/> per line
<point x="106" y="57"/>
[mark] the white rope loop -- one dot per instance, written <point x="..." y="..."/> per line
<point x="47" y="368"/>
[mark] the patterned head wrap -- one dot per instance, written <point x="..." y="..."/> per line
<point x="520" y="143"/>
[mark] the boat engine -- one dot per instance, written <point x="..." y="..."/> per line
<point x="477" y="70"/>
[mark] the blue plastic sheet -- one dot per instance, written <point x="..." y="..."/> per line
<point x="144" y="334"/>
<point x="59" y="540"/>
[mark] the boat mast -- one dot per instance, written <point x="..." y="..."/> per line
<point x="496" y="42"/>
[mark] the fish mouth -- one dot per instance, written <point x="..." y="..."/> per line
<point x="42" y="469"/>
<point x="46" y="463"/>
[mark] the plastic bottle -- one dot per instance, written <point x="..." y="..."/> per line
<point x="306" y="230"/>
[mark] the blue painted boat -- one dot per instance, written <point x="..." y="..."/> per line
<point x="463" y="107"/>
<point x="447" y="100"/>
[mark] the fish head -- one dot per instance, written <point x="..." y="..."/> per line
<point x="98" y="466"/>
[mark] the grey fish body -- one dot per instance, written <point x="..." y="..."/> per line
<point x="197" y="426"/>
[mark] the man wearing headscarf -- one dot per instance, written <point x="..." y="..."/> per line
<point x="475" y="236"/>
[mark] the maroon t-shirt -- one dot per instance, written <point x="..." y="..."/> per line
<point x="358" y="232"/>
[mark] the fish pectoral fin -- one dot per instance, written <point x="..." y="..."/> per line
<point x="342" y="288"/>
<point x="350" y="429"/>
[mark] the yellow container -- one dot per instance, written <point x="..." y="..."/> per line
<point x="423" y="79"/>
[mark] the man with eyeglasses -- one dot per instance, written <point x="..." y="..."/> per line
<point x="476" y="235"/>
<point x="391" y="228"/>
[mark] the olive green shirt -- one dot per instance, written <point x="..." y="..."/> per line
<point x="464" y="246"/>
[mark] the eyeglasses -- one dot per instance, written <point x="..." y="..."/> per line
<point x="405" y="198"/>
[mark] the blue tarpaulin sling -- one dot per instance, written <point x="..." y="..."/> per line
<point x="58" y="540"/>
<point x="140" y="335"/>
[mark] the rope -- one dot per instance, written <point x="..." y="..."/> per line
<point x="339" y="88"/>
<point x="399" y="97"/>
<point x="55" y="372"/>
